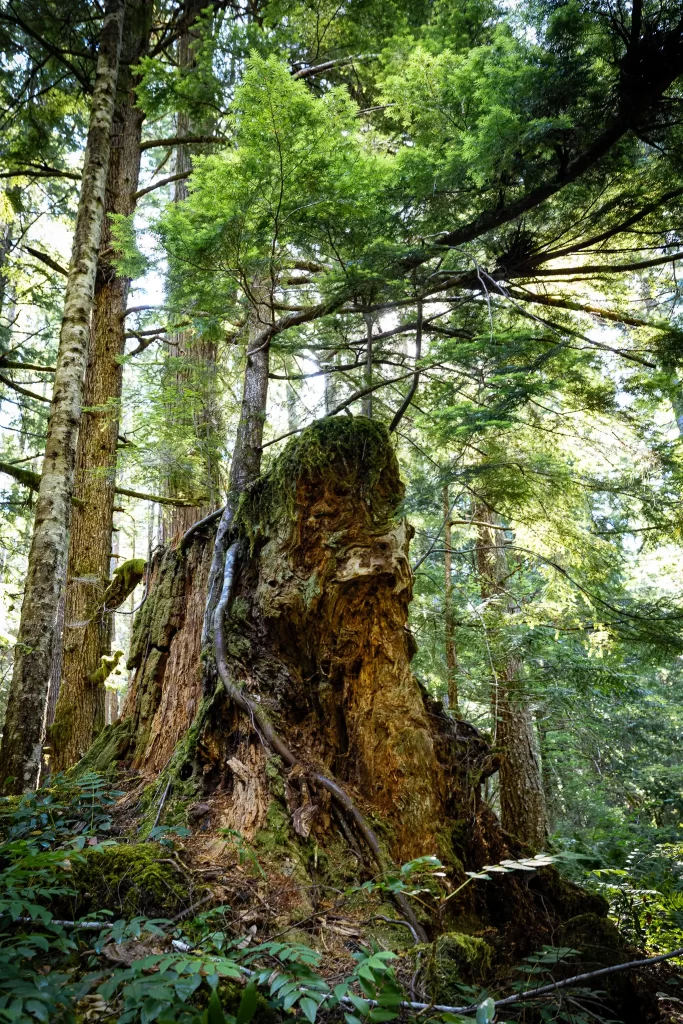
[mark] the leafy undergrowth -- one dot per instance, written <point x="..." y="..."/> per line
<point x="191" y="969"/>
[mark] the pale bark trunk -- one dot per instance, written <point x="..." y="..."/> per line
<point x="522" y="802"/>
<point x="5" y="246"/>
<point x="87" y="627"/>
<point x="20" y="754"/>
<point x="246" y="457"/>
<point x="451" y="656"/>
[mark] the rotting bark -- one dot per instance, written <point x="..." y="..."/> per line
<point x="522" y="801"/>
<point x="87" y="628"/>
<point x="20" y="754"/>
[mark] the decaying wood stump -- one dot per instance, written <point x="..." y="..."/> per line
<point x="317" y="638"/>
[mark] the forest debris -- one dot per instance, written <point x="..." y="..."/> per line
<point x="128" y="952"/>
<point x="239" y="769"/>
<point x="195" y="812"/>
<point x="303" y="818"/>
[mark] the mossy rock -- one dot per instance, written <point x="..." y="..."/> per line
<point x="130" y="880"/>
<point x="453" y="960"/>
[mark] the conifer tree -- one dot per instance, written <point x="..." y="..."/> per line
<point x="20" y="753"/>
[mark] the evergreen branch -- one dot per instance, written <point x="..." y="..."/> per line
<point x="607" y="268"/>
<point x="578" y="307"/>
<point x="643" y="212"/>
<point x="329" y="64"/>
<point x="162" y="499"/>
<point x="13" y="364"/>
<point x="40" y="172"/>
<point x="28" y="478"/>
<point x="50" y="48"/>
<point x="355" y="397"/>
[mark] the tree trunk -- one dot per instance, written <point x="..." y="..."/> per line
<point x="198" y="375"/>
<point x="5" y="246"/>
<point x="20" y="754"/>
<point x="246" y="457"/>
<point x="451" y="656"/>
<point x="87" y="626"/>
<point x="522" y="803"/>
<point x="175" y="623"/>
<point x="366" y="401"/>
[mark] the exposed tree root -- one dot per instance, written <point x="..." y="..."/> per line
<point x="269" y="736"/>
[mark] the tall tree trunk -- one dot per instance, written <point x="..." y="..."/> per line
<point x="246" y="457"/>
<point x="170" y="679"/>
<point x="198" y="354"/>
<point x="20" y="754"/>
<point x="522" y="802"/>
<point x="366" y="402"/>
<point x="87" y="625"/>
<point x="451" y="657"/>
<point x="5" y="246"/>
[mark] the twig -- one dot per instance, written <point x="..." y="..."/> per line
<point x="161" y="806"/>
<point x="189" y="910"/>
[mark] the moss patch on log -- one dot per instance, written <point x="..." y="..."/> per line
<point x="123" y="582"/>
<point x="110" y="747"/>
<point x="130" y="880"/>
<point x="108" y="663"/>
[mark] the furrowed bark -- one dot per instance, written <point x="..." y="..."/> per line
<point x="197" y="353"/>
<point x="80" y="710"/>
<point x="451" y="657"/>
<point x="20" y="754"/>
<point x="522" y="801"/>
